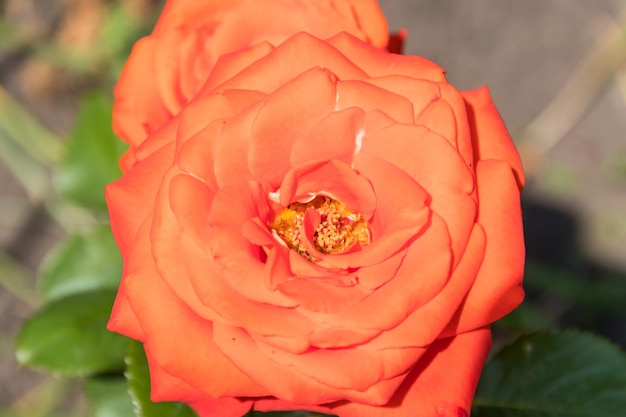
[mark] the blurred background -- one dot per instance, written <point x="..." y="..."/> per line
<point x="556" y="70"/>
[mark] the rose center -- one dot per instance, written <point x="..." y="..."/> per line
<point x="339" y="229"/>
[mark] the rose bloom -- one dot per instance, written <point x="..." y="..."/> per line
<point x="166" y="69"/>
<point x="326" y="226"/>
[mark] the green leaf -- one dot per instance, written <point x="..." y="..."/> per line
<point x="26" y="148"/>
<point x="527" y="317"/>
<point x="563" y="374"/>
<point x="68" y="336"/>
<point x="91" y="158"/>
<point x="81" y="263"/>
<point x="109" y="397"/>
<point x="139" y="379"/>
<point x="598" y="295"/>
<point x="26" y="133"/>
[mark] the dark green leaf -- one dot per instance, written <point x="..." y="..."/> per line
<point x="82" y="263"/>
<point x="109" y="397"/>
<point x="599" y="295"/>
<point x="527" y="317"/>
<point x="562" y="374"/>
<point x="139" y="380"/>
<point x="68" y="336"/>
<point x="91" y="159"/>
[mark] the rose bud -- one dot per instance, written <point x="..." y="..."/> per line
<point x="326" y="226"/>
<point x="167" y="68"/>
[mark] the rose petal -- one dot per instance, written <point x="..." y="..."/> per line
<point x="167" y="322"/>
<point x="401" y="213"/>
<point x="426" y="323"/>
<point x="317" y="295"/>
<point x="420" y="93"/>
<point x="445" y="378"/>
<point x="370" y="18"/>
<point x="423" y="274"/>
<point x="190" y="14"/>
<point x="332" y="179"/>
<point x="233" y="63"/>
<point x="363" y="95"/>
<point x="491" y="138"/>
<point x="197" y="150"/>
<point x="430" y="387"/>
<point x="434" y="164"/>
<point x="290" y="384"/>
<point x="334" y="137"/>
<point x="165" y="387"/>
<point x="230" y="160"/>
<point x="237" y="259"/>
<point x="281" y="121"/>
<point x="439" y="118"/>
<point x="498" y="286"/>
<point x="376" y="275"/>
<point x="123" y="319"/>
<point x="170" y="53"/>
<point x="463" y="133"/>
<point x="129" y="198"/>
<point x="190" y="201"/>
<point x="227" y="407"/>
<point x="132" y="118"/>
<point x="343" y="368"/>
<point x="380" y="63"/>
<point x="287" y="62"/>
<point x="213" y="108"/>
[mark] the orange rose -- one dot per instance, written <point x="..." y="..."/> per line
<point x="166" y="69"/>
<point x="326" y="226"/>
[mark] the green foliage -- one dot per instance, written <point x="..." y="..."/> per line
<point x="68" y="336"/>
<point x="82" y="263"/>
<point x="556" y="374"/>
<point x="109" y="397"/>
<point x="139" y="382"/>
<point x="92" y="153"/>
<point x="598" y="295"/>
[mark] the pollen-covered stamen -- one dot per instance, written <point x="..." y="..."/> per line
<point x="339" y="229"/>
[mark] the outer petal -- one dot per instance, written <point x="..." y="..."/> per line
<point x="379" y="63"/>
<point x="165" y="387"/>
<point x="426" y="323"/>
<point x="130" y="198"/>
<point x="490" y="136"/>
<point x="371" y="20"/>
<point x="367" y="96"/>
<point x="423" y="273"/>
<point x="498" y="286"/>
<point x="442" y="383"/>
<point x="281" y="65"/>
<point x="282" y="120"/>
<point x="335" y="137"/>
<point x="123" y="319"/>
<point x="132" y="119"/>
<point x="166" y="321"/>
<point x="293" y="385"/>
<point x="435" y="165"/>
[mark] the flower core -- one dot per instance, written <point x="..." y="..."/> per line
<point x="339" y="229"/>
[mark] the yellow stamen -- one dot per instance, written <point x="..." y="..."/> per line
<point x="339" y="229"/>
